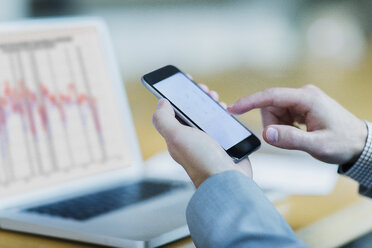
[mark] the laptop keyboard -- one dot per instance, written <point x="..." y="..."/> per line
<point x="91" y="205"/>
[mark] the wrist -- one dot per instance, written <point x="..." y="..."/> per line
<point x="359" y="143"/>
<point x="199" y="180"/>
<point x="361" y="139"/>
<point x="199" y="176"/>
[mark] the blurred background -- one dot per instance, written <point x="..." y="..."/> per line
<point x="235" y="47"/>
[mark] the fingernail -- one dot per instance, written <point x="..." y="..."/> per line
<point x="231" y="106"/>
<point x="272" y="135"/>
<point x="161" y="102"/>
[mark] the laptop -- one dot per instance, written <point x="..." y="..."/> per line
<point x="70" y="163"/>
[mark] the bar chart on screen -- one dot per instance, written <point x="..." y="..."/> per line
<point x="56" y="109"/>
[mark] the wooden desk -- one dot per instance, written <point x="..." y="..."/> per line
<point x="321" y="221"/>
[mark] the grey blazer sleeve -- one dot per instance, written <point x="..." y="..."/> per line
<point x="230" y="210"/>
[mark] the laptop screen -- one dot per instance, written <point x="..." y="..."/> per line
<point x="59" y="118"/>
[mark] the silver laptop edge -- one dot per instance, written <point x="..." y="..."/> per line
<point x="10" y="216"/>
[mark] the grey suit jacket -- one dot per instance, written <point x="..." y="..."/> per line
<point x="230" y="210"/>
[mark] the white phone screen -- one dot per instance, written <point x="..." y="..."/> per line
<point x="202" y="110"/>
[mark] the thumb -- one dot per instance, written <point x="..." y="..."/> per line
<point x="164" y="118"/>
<point x="288" y="137"/>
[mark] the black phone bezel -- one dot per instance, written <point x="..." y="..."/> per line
<point x="240" y="150"/>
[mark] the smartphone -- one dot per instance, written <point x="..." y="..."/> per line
<point x="197" y="109"/>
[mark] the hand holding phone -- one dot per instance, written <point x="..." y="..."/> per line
<point x="196" y="108"/>
<point x="197" y="152"/>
